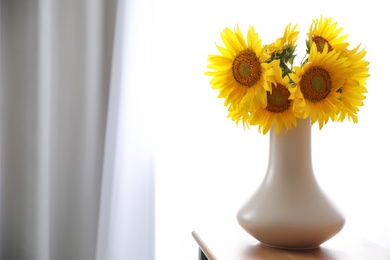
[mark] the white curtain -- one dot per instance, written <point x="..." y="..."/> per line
<point x="76" y="179"/>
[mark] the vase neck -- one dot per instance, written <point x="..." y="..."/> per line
<point x="291" y="150"/>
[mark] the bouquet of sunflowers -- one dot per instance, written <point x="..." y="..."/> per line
<point x="262" y="87"/>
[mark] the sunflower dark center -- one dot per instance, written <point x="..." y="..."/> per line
<point x="246" y="68"/>
<point x="278" y="101"/>
<point x="316" y="84"/>
<point x="320" y="43"/>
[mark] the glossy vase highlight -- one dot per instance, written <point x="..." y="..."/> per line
<point x="289" y="209"/>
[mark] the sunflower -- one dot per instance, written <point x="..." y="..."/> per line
<point x="239" y="115"/>
<point x="279" y="110"/>
<point x="354" y="89"/>
<point x="323" y="32"/>
<point x="289" y="38"/>
<point x="284" y="48"/>
<point x="241" y="73"/>
<point x="318" y="84"/>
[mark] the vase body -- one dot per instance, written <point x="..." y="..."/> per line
<point x="289" y="209"/>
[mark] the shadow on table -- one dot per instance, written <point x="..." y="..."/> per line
<point x="266" y="252"/>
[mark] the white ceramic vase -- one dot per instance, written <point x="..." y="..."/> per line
<point x="289" y="209"/>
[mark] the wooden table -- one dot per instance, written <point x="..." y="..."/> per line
<point x="233" y="243"/>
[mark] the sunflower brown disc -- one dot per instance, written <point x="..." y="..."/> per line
<point x="278" y="101"/>
<point x="246" y="68"/>
<point x="316" y="84"/>
<point x="320" y="43"/>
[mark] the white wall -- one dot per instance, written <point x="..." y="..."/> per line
<point x="204" y="160"/>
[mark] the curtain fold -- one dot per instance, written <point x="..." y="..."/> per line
<point x="127" y="231"/>
<point x="71" y="184"/>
